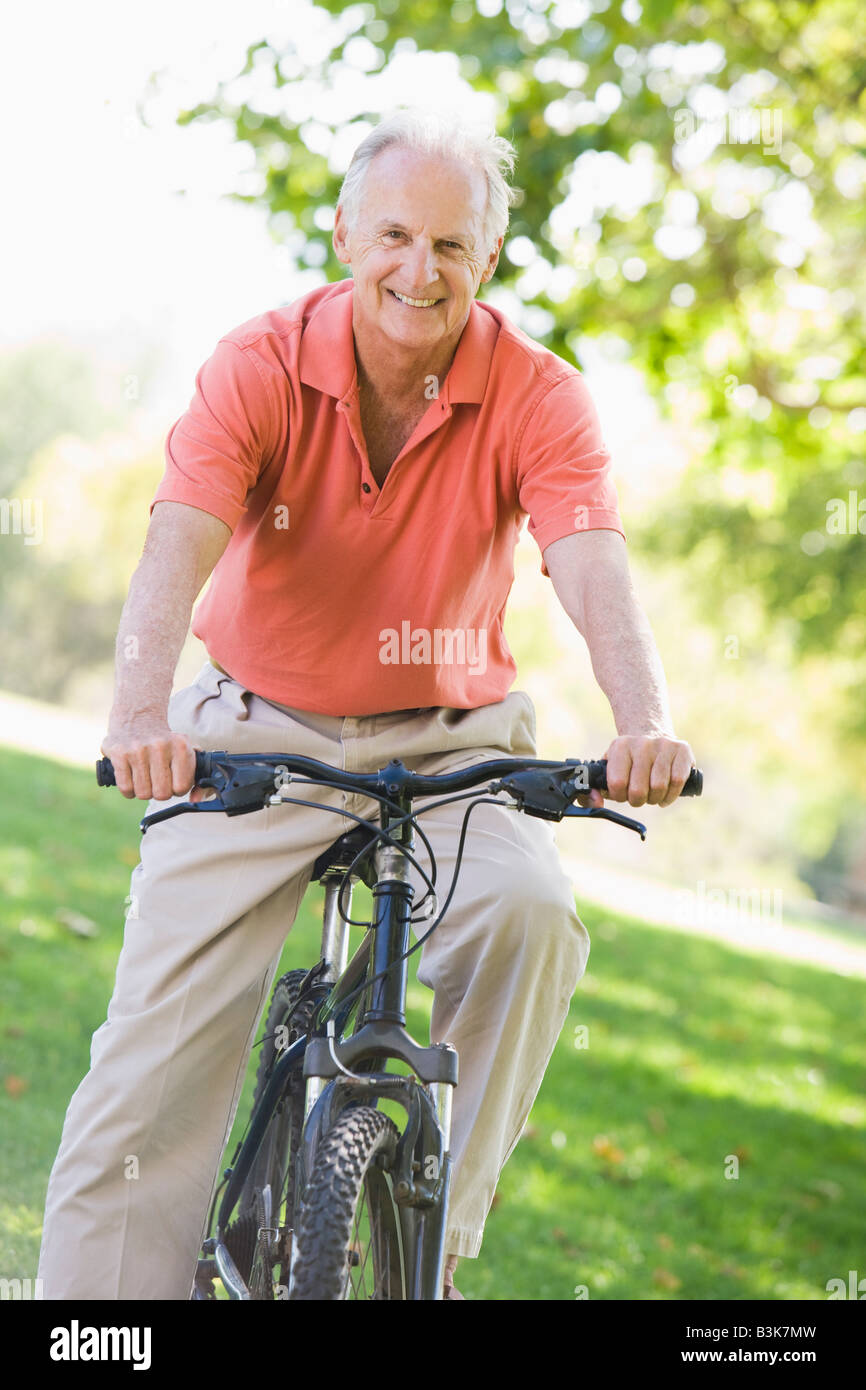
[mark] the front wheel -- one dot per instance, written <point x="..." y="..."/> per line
<point x="349" y="1244"/>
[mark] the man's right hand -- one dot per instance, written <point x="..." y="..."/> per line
<point x="150" y="760"/>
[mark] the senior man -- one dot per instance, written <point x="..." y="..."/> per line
<point x="354" y="468"/>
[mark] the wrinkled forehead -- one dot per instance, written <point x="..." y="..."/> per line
<point x="415" y="190"/>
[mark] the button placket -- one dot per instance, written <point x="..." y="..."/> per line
<point x="345" y="406"/>
<point x="431" y="421"/>
<point x="428" y="425"/>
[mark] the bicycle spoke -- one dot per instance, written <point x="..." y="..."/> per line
<point x="382" y="1266"/>
<point x="368" y="1251"/>
<point x="356" y="1275"/>
<point x="366" y="1243"/>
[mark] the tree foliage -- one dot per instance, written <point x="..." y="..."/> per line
<point x="73" y="506"/>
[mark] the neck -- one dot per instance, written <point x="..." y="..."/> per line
<point x="393" y="372"/>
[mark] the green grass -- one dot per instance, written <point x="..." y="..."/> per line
<point x="696" y="1053"/>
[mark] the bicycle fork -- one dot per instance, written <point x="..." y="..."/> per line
<point x="421" y="1172"/>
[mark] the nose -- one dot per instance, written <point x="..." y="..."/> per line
<point x="421" y="264"/>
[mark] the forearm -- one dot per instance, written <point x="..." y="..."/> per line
<point x="626" y="662"/>
<point x="152" y="631"/>
<point x="590" y="573"/>
<point x="645" y="762"/>
<point x="181" y="549"/>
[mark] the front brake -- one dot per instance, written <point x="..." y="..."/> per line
<point x="547" y="794"/>
<point x="240" y="791"/>
<point x="602" y="813"/>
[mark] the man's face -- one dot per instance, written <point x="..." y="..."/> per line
<point x="419" y="233"/>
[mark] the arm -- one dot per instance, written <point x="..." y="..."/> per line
<point x="646" y="762"/>
<point x="183" y="544"/>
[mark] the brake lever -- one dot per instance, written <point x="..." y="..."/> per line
<point x="243" y="789"/>
<point x="181" y="809"/>
<point x="231" y="807"/>
<point x="546" y="794"/>
<point x="602" y="813"/>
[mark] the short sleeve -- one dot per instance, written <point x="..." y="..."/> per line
<point x="564" y="476"/>
<point x="215" y="451"/>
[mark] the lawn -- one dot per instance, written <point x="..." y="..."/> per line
<point x="699" y="1133"/>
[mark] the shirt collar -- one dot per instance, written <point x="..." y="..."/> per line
<point x="327" y="350"/>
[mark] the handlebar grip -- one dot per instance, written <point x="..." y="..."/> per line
<point x="105" y="769"/>
<point x="694" y="783"/>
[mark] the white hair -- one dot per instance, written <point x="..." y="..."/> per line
<point x="449" y="136"/>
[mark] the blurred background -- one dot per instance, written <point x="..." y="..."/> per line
<point x="689" y="234"/>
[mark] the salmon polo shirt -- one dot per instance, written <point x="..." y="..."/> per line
<point x="339" y="597"/>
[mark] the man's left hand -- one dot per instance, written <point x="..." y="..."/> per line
<point x="644" y="770"/>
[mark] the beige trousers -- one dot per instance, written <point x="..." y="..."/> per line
<point x="213" y="900"/>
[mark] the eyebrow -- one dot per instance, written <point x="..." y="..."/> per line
<point x="446" y="236"/>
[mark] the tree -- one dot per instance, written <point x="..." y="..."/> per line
<point x="73" y="505"/>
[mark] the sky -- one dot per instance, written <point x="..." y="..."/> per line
<point x="102" y="244"/>
<point x="118" y="228"/>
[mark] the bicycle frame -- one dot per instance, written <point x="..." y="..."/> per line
<point x="422" y="1171"/>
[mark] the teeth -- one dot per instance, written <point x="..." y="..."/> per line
<point x="417" y="303"/>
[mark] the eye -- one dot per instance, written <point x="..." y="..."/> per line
<point x="455" y="244"/>
<point x="393" y="232"/>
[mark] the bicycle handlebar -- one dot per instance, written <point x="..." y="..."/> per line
<point x="588" y="775"/>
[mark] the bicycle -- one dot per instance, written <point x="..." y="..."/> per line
<point x="325" y="1197"/>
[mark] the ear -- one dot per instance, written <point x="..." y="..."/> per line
<point x="340" y="236"/>
<point x="492" y="262"/>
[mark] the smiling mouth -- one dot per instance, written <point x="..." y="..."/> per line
<point x="414" y="303"/>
